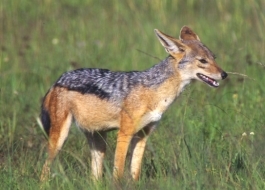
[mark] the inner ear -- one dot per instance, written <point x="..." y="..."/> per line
<point x="171" y="45"/>
<point x="187" y="34"/>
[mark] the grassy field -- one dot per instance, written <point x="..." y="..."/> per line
<point x="208" y="139"/>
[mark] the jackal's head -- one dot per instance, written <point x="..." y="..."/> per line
<point x="192" y="59"/>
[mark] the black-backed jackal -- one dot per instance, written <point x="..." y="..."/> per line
<point x="99" y="100"/>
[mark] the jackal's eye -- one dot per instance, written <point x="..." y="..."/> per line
<point x="203" y="61"/>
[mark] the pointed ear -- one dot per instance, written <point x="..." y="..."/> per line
<point x="187" y="34"/>
<point x="171" y="45"/>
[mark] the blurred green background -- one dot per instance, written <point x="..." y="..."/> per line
<point x="203" y="140"/>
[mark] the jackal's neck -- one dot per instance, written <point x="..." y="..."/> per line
<point x="164" y="72"/>
<point x="158" y="73"/>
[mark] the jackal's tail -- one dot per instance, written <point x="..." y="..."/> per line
<point x="45" y="119"/>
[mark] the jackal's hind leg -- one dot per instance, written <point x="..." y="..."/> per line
<point x="57" y="135"/>
<point x="97" y="143"/>
<point x="137" y="147"/>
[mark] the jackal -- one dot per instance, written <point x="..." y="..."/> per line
<point x="99" y="100"/>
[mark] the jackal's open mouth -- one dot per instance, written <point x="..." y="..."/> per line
<point x="208" y="80"/>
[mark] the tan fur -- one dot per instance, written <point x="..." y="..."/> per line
<point x="135" y="117"/>
<point x="92" y="115"/>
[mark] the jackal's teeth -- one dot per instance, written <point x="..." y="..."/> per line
<point x="215" y="83"/>
<point x="208" y="80"/>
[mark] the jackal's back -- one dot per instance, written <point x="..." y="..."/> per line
<point x="107" y="84"/>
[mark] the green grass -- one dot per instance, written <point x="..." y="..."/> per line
<point x="199" y="142"/>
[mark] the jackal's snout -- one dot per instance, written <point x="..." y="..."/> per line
<point x="212" y="80"/>
<point x="224" y="75"/>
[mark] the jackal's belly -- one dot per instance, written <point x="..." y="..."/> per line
<point x="94" y="114"/>
<point x="97" y="125"/>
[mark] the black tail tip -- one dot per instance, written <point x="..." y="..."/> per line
<point x="45" y="120"/>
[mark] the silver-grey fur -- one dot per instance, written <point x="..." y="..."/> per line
<point x="114" y="85"/>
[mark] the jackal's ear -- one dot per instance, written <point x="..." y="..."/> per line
<point x="171" y="45"/>
<point x="187" y="34"/>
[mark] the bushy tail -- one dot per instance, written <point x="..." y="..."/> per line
<point x="45" y="119"/>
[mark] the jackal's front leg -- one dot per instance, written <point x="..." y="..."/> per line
<point x="125" y="135"/>
<point x="138" y="146"/>
<point x="123" y="142"/>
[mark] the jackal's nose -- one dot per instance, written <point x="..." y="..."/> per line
<point x="223" y="75"/>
